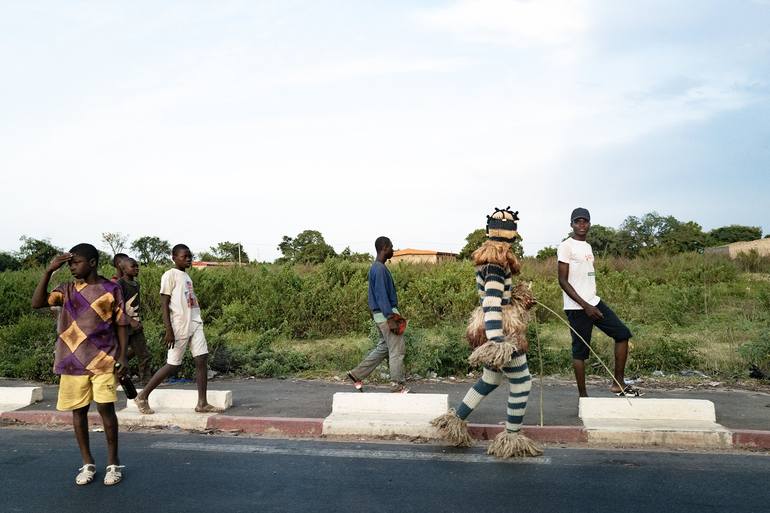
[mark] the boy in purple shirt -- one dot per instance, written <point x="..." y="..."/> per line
<point x="90" y="351"/>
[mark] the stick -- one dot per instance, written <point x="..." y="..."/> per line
<point x="540" y="377"/>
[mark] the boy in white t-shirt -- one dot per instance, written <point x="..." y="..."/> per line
<point x="184" y="326"/>
<point x="584" y="308"/>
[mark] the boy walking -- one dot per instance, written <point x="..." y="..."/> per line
<point x="90" y="350"/>
<point x="383" y="303"/>
<point x="137" y="344"/>
<point x="184" y="327"/>
<point x="584" y="308"/>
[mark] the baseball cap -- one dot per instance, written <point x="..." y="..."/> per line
<point x="578" y="213"/>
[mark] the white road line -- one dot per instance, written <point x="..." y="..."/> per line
<point x="345" y="453"/>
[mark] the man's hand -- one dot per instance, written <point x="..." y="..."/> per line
<point x="58" y="261"/>
<point x="593" y="312"/>
<point x="121" y="367"/>
<point x="169" y="338"/>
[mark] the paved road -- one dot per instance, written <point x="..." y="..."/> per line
<point x="198" y="473"/>
<point x="739" y="409"/>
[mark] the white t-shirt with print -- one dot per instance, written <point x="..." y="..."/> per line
<point x="580" y="257"/>
<point x="183" y="306"/>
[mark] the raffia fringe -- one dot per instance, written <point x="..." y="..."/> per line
<point x="515" y="319"/>
<point x="492" y="354"/>
<point x="513" y="445"/>
<point x="453" y="429"/>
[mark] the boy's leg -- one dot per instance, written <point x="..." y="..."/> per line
<point x="105" y="397"/>
<point x="200" y="352"/>
<point x="159" y="377"/>
<point x="583" y="325"/>
<point x="614" y="328"/>
<point x="621" y="354"/>
<point x="173" y="362"/>
<point x="372" y="360"/>
<point x="75" y="395"/>
<point x="110" y="423"/>
<point x="202" y="380"/>
<point x="138" y="343"/>
<point x="80" y="426"/>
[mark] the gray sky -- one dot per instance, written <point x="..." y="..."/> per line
<point x="208" y="121"/>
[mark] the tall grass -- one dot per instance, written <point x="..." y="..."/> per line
<point x="686" y="310"/>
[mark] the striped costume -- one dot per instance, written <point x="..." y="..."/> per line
<point x="497" y="330"/>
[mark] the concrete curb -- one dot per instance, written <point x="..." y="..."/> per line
<point x="267" y="425"/>
<point x="311" y="427"/>
<point x="751" y="438"/>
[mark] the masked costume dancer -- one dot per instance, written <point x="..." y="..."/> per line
<point x="497" y="331"/>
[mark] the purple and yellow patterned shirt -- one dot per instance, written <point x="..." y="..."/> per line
<point x="87" y="342"/>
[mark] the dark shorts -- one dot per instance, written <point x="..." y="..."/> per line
<point x="580" y="322"/>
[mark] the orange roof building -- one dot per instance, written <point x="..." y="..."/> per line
<point x="421" y="256"/>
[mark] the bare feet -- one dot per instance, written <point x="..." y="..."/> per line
<point x="143" y="406"/>
<point x="208" y="408"/>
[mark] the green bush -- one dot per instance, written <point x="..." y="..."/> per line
<point x="664" y="355"/>
<point x="27" y="348"/>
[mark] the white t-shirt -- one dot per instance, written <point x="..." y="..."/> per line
<point x="183" y="306"/>
<point x="580" y="257"/>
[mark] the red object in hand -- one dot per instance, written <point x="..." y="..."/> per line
<point x="397" y="324"/>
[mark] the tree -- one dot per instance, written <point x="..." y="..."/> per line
<point x="308" y="247"/>
<point x="151" y="249"/>
<point x="9" y="262"/>
<point x="347" y="254"/>
<point x="116" y="241"/>
<point x="640" y="236"/>
<point x="35" y="252"/>
<point x="683" y="237"/>
<point x="476" y="238"/>
<point x="227" y="252"/>
<point x="603" y="240"/>
<point x="734" y="233"/>
<point x="546" y="253"/>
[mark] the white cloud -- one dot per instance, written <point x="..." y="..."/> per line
<point x="519" y="23"/>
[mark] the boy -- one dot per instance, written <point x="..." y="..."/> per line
<point x="137" y="344"/>
<point x="584" y="308"/>
<point x="184" y="326"/>
<point x="90" y="349"/>
<point x="117" y="262"/>
<point x="384" y="306"/>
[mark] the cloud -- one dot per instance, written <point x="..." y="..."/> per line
<point x="520" y="23"/>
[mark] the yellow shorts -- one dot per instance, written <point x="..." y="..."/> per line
<point x="78" y="391"/>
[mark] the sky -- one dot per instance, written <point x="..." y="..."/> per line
<point x="201" y="122"/>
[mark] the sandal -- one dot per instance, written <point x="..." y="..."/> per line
<point x="629" y="391"/>
<point x="208" y="408"/>
<point x="143" y="405"/>
<point x="356" y="382"/>
<point x="85" y="474"/>
<point x="114" y="474"/>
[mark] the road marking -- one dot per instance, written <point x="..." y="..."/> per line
<point x="345" y="453"/>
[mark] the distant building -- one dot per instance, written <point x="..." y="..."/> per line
<point x="203" y="265"/>
<point x="762" y="246"/>
<point x="421" y="256"/>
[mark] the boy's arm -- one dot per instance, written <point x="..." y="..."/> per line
<point x="169" y="339"/>
<point x="122" y="332"/>
<point x="40" y="296"/>
<point x="592" y="312"/>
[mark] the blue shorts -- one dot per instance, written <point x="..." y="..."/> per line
<point x="580" y="322"/>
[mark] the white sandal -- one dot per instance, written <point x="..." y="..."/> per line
<point x="114" y="474"/>
<point x="85" y="474"/>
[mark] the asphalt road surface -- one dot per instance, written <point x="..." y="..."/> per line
<point x="195" y="473"/>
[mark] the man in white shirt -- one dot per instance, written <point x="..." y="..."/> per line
<point x="584" y="308"/>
